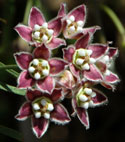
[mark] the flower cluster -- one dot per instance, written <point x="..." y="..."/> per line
<point x="50" y="80"/>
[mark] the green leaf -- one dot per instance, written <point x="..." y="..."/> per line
<point x="114" y="18"/>
<point x="11" y="71"/>
<point x="12" y="89"/>
<point x="11" y="133"/>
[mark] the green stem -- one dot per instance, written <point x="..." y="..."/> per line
<point x="115" y="19"/>
<point x="12" y="89"/>
<point x="11" y="71"/>
<point x="8" y="67"/>
<point x="11" y="133"/>
<point x="27" y="10"/>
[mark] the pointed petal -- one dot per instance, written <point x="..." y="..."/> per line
<point x="24" y="112"/>
<point x="83" y="116"/>
<point x="99" y="99"/>
<point x="56" y="65"/>
<point x="33" y="94"/>
<point x="24" y="31"/>
<point x="55" y="25"/>
<point x="83" y="41"/>
<point x="98" y="50"/>
<point x="24" y="80"/>
<point x="56" y="95"/>
<point x="81" y="113"/>
<point x="113" y="52"/>
<point x="46" y="85"/>
<point x="67" y="80"/>
<point x="79" y="13"/>
<point x="112" y="78"/>
<point x="60" y="114"/>
<point x="108" y="86"/>
<point x="62" y="10"/>
<point x="42" y="52"/>
<point x="23" y="59"/>
<point x="56" y="42"/>
<point x="39" y="126"/>
<point x="68" y="53"/>
<point x="93" y="74"/>
<point x="35" y="17"/>
<point x="74" y="71"/>
<point x="91" y="30"/>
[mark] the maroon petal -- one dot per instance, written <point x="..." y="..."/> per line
<point x="55" y="25"/>
<point x="35" y="17"/>
<point x="81" y="113"/>
<point x="56" y="65"/>
<point x="68" y="53"/>
<point x="79" y="13"/>
<point x="91" y="30"/>
<point x="112" y="52"/>
<point x="56" y="42"/>
<point x="24" y="80"/>
<point x="83" y="41"/>
<point x="24" y="112"/>
<point x="23" y="59"/>
<point x="83" y="117"/>
<point x="74" y="71"/>
<point x="33" y="94"/>
<point x="60" y="114"/>
<point x="24" y="31"/>
<point x="98" y="50"/>
<point x="41" y="52"/>
<point x="56" y="95"/>
<point x="39" y="126"/>
<point x="93" y="74"/>
<point x="112" y="78"/>
<point x="108" y="86"/>
<point x="46" y="85"/>
<point x="99" y="99"/>
<point x="62" y="10"/>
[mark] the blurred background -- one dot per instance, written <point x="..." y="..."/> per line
<point x="107" y="123"/>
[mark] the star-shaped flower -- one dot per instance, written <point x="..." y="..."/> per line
<point x="43" y="108"/>
<point x="39" y="31"/>
<point x="82" y="58"/>
<point x="38" y="69"/>
<point x="74" y="21"/>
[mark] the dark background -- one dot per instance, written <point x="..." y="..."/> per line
<point x="107" y="123"/>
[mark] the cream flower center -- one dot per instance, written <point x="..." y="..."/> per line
<point x="82" y="59"/>
<point x="42" y="107"/>
<point x="84" y="97"/>
<point x="39" y="68"/>
<point x="42" y="34"/>
<point x="73" y="26"/>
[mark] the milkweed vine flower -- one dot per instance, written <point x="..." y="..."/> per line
<point x="82" y="94"/>
<point x="39" y="31"/>
<point x="82" y="58"/>
<point x="43" y="108"/>
<point x="50" y="80"/>
<point x="74" y="21"/>
<point x="109" y="78"/>
<point x="38" y="69"/>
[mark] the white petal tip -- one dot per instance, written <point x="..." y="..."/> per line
<point x="45" y="72"/>
<point x="88" y="91"/>
<point x="35" y="62"/>
<point x="86" y="66"/>
<point x="50" y="107"/>
<point x="72" y="18"/>
<point x="31" y="69"/>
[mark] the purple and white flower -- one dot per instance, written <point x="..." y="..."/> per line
<point x="74" y="21"/>
<point x="43" y="108"/>
<point x="82" y="58"/>
<point x="38" y="69"/>
<point x="39" y="31"/>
